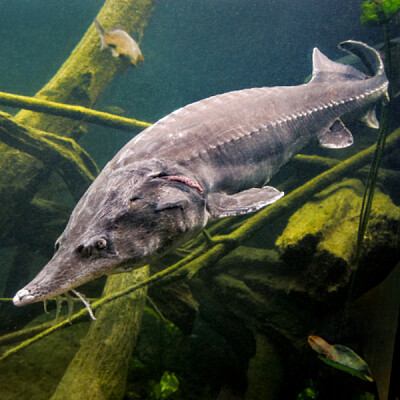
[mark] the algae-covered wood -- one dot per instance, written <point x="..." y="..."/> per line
<point x="321" y="237"/>
<point x="99" y="368"/>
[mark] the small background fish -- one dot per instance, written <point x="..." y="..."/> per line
<point x="120" y="43"/>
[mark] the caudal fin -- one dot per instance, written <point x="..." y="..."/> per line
<point x="368" y="55"/>
<point x="102" y="34"/>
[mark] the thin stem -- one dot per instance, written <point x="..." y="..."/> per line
<point x="373" y="173"/>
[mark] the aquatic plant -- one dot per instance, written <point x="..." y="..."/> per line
<point x="378" y="12"/>
<point x="375" y="12"/>
<point x="167" y="386"/>
<point x="311" y="392"/>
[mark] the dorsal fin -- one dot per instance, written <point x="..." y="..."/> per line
<point x="325" y="69"/>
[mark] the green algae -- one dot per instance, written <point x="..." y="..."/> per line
<point x="332" y="217"/>
<point x="378" y="12"/>
<point x="77" y="167"/>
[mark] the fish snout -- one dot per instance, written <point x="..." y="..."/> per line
<point x="23" y="297"/>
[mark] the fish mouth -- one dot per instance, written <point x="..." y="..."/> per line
<point x="23" y="297"/>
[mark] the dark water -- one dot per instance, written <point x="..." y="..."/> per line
<point x="192" y="50"/>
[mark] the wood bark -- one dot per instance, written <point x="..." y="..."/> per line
<point x="99" y="368"/>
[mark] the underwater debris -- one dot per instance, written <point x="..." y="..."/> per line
<point x="340" y="357"/>
<point x="110" y="118"/>
<point x="320" y="239"/>
<point x="120" y="43"/>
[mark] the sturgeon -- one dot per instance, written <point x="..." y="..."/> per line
<point x="209" y="159"/>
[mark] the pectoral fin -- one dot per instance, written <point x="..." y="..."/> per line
<point x="336" y="137"/>
<point x="222" y="205"/>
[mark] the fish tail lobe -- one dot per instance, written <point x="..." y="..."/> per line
<point x="368" y="55"/>
<point x="102" y="34"/>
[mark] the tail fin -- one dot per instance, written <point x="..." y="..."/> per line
<point x="102" y="34"/>
<point x="368" y="55"/>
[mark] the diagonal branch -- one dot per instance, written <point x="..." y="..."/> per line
<point x="77" y="167"/>
<point x="77" y="113"/>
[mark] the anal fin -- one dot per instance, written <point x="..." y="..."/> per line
<point x="222" y="205"/>
<point x="336" y="137"/>
<point x="369" y="118"/>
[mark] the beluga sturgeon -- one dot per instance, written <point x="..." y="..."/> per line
<point x="209" y="159"/>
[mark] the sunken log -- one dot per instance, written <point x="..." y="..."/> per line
<point x="99" y="368"/>
<point x="319" y="242"/>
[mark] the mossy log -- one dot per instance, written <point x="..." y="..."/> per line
<point x="320" y="240"/>
<point x="99" y="368"/>
<point x="306" y="290"/>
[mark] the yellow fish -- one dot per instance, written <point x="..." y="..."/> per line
<point x="120" y="43"/>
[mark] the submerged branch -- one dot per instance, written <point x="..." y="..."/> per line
<point x="78" y="113"/>
<point x="79" y="168"/>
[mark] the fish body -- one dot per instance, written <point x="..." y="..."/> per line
<point x="210" y="159"/>
<point x="120" y="43"/>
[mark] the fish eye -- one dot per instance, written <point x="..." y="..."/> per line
<point x="101" y="243"/>
<point x="56" y="245"/>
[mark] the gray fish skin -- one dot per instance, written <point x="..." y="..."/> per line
<point x="209" y="159"/>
